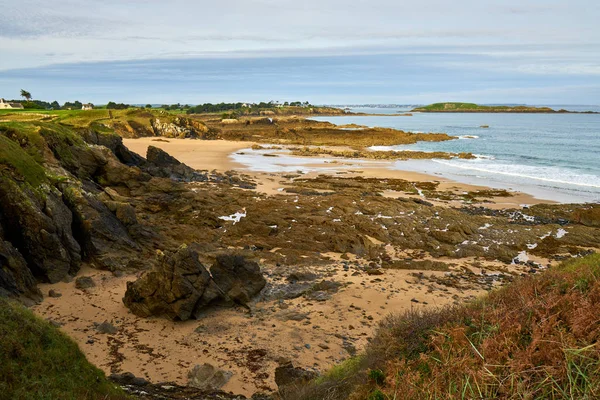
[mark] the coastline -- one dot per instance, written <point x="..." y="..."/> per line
<point x="218" y="155"/>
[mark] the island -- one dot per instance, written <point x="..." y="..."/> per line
<point x="454" y="107"/>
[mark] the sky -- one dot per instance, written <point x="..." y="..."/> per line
<point x="322" y="51"/>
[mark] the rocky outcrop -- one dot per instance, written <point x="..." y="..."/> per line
<point x="39" y="225"/>
<point x="179" y="127"/>
<point x="179" y="287"/>
<point x="104" y="238"/>
<point x="160" y="163"/>
<point x="16" y="279"/>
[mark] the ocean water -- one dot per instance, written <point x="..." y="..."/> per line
<point x="552" y="156"/>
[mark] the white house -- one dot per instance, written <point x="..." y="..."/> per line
<point x="4" y="105"/>
<point x="88" y="106"/>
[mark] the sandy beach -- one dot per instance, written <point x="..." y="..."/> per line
<point x="217" y="155"/>
<point x="314" y="334"/>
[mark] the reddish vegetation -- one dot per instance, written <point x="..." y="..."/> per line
<point x="535" y="338"/>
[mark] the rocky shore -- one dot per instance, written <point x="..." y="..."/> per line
<point x="157" y="269"/>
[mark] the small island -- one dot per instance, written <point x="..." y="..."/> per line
<point x="476" y="108"/>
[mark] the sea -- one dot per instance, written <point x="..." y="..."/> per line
<point x="551" y="156"/>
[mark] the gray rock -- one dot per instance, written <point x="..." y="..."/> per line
<point x="127" y="378"/>
<point x="207" y="377"/>
<point x="84" y="282"/>
<point x="292" y="315"/>
<point x="107" y="327"/>
<point x="288" y="376"/>
<point x="54" y="293"/>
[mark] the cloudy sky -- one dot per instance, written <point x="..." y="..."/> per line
<point x="323" y="51"/>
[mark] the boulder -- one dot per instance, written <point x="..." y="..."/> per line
<point x="207" y="377"/>
<point x="179" y="287"/>
<point x="173" y="288"/>
<point x="107" y="327"/>
<point x="84" y="282"/>
<point x="238" y="278"/>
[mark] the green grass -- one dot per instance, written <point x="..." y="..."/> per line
<point x="38" y="362"/>
<point x="20" y="162"/>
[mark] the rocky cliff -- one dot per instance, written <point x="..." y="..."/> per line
<point x="66" y="198"/>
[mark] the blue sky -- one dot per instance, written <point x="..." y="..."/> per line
<point x="328" y="51"/>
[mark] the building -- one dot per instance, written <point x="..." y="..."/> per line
<point x="6" y="105"/>
<point x="88" y="106"/>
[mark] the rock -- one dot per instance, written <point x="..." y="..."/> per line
<point x="107" y="327"/>
<point x="328" y="286"/>
<point x="16" y="279"/>
<point x="105" y="239"/>
<point x="161" y="164"/>
<point x="173" y="288"/>
<point x="319" y="295"/>
<point x="84" y="282"/>
<point x="41" y="225"/>
<point x="179" y="287"/>
<point x="55" y="323"/>
<point x="54" y="293"/>
<point x="127" y="378"/>
<point x="288" y="375"/>
<point x="292" y="315"/>
<point x="302" y="275"/>
<point x="208" y="377"/>
<point x="374" y="271"/>
<point x="238" y="278"/>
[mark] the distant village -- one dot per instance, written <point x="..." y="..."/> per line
<point x="29" y="103"/>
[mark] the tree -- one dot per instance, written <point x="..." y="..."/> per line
<point x="25" y="94"/>
<point x="148" y="105"/>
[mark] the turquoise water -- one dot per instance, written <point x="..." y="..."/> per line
<point x="554" y="157"/>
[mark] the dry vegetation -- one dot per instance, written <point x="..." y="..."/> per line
<point x="533" y="339"/>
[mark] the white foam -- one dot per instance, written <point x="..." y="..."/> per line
<point x="546" y="174"/>
<point x="468" y="137"/>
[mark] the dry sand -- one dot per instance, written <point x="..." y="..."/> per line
<point x="198" y="154"/>
<point x="250" y="345"/>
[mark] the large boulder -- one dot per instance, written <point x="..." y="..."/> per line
<point x="180" y="287"/>
<point x="172" y="289"/>
<point x="237" y="278"/>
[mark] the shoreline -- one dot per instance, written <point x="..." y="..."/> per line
<point x="218" y="155"/>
